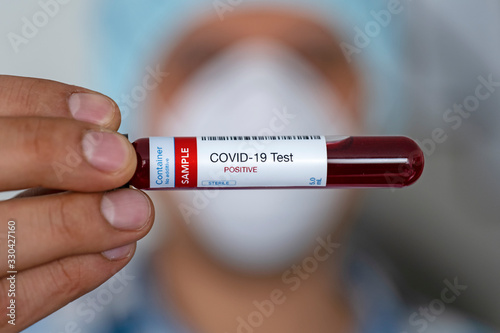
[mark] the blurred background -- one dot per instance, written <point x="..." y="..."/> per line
<point x="425" y="64"/>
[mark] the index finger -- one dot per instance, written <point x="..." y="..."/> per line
<point x="62" y="154"/>
<point x="24" y="96"/>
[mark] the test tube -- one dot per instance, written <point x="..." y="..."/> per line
<point x="265" y="162"/>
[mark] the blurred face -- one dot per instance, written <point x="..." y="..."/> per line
<point x="257" y="71"/>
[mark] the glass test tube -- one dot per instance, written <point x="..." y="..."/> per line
<point x="262" y="162"/>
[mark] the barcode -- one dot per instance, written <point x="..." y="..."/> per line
<point x="261" y="138"/>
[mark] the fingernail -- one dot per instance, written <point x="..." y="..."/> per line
<point x="119" y="253"/>
<point x="126" y="209"/>
<point x="92" y="108"/>
<point x="106" y="151"/>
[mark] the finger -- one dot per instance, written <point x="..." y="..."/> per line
<point x="43" y="290"/>
<point x="62" y="154"/>
<point x="65" y="224"/>
<point x="23" y="96"/>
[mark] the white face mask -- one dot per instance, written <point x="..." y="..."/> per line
<point x="258" y="87"/>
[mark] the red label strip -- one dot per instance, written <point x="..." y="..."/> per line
<point x="186" y="162"/>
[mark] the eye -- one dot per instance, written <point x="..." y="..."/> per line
<point x="323" y="56"/>
<point x="198" y="54"/>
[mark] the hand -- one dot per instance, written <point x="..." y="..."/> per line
<point x="70" y="236"/>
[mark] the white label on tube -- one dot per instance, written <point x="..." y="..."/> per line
<point x="239" y="161"/>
